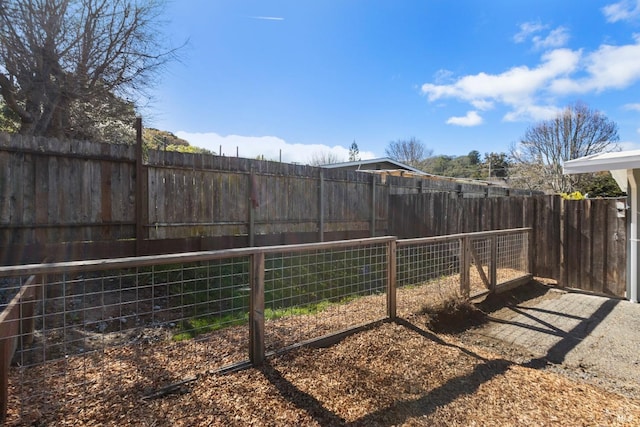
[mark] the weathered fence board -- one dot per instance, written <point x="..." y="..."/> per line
<point x="70" y="191"/>
<point x="85" y="194"/>
<point x="52" y="191"/>
<point x="595" y="247"/>
<point x="579" y="243"/>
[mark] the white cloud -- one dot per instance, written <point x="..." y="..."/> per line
<point x="443" y="76"/>
<point x="268" y="18"/>
<point x="531" y="112"/>
<point x="526" y="30"/>
<point x="516" y="87"/>
<point x="625" y="10"/>
<point x="270" y="147"/>
<point x="632" y="107"/>
<point x="482" y="104"/>
<point x="530" y="92"/>
<point x="609" y="67"/>
<point x="556" y="38"/>
<point x="471" y="119"/>
<point x="629" y="145"/>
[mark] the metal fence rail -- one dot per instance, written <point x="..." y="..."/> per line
<point x="106" y="328"/>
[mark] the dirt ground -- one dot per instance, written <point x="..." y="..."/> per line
<point x="423" y="370"/>
<point x="586" y="337"/>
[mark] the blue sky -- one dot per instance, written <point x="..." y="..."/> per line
<point x="307" y="77"/>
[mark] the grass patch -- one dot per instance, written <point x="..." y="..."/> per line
<point x="191" y="328"/>
<point x="277" y="313"/>
<point x="201" y="325"/>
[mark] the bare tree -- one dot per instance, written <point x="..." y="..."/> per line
<point x="324" y="158"/>
<point x="408" y="151"/>
<point x="575" y="132"/>
<point x="61" y="61"/>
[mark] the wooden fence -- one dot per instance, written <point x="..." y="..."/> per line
<point x="594" y="239"/>
<point x="78" y="200"/>
<point x="581" y="244"/>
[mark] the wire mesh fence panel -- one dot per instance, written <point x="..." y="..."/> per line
<point x="315" y="293"/>
<point x="427" y="274"/>
<point x="105" y="334"/>
<point x="512" y="256"/>
<point x="434" y="269"/>
<point x="117" y="330"/>
<point x="480" y="265"/>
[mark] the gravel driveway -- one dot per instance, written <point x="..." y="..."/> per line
<point x="587" y="337"/>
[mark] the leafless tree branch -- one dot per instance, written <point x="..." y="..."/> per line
<point x="57" y="55"/>
<point x="575" y="132"/>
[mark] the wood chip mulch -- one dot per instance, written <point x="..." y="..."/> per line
<point x="394" y="374"/>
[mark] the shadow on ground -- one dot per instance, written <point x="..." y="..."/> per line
<point x="453" y="317"/>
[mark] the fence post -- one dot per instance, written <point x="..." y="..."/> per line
<point x="530" y="252"/>
<point x="256" y="310"/>
<point x="139" y="188"/>
<point x="321" y="207"/>
<point x="391" y="280"/>
<point x="530" y="204"/>
<point x="373" y="205"/>
<point x="465" y="265"/>
<point x="253" y="202"/>
<point x="27" y="311"/>
<point x="562" y="281"/>
<point x="493" y="272"/>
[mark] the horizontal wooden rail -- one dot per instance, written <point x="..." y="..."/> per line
<point x="474" y="235"/>
<point x="187" y="257"/>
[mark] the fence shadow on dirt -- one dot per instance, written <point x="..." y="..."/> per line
<point x="563" y="326"/>
<point x="301" y="399"/>
<point x="400" y="411"/>
<point x="570" y="339"/>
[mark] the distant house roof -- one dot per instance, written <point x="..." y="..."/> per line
<point x="380" y="164"/>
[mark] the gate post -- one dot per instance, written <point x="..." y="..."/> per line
<point x="465" y="264"/>
<point x="391" y="279"/>
<point x="256" y="309"/>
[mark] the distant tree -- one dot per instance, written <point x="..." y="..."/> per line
<point x="527" y="176"/>
<point x="438" y="165"/>
<point x="474" y="157"/>
<point x="600" y="184"/>
<point x="107" y="119"/>
<point x="575" y="132"/>
<point x="468" y="166"/>
<point x="163" y="140"/>
<point x="496" y="164"/>
<point x="324" y="158"/>
<point x="408" y="151"/>
<point x="354" y="152"/>
<point x="9" y="121"/>
<point x="66" y="65"/>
